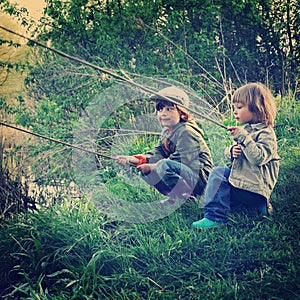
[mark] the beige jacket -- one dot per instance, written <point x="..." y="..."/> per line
<point x="256" y="169"/>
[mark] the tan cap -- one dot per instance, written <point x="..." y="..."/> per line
<point x="173" y="93"/>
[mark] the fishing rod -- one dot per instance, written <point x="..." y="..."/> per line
<point x="55" y="140"/>
<point x="113" y="74"/>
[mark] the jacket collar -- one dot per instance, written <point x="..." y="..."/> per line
<point x="255" y="127"/>
<point x="171" y="129"/>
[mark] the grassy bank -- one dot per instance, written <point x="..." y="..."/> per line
<point x="72" y="251"/>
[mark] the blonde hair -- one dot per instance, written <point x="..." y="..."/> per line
<point x="260" y="101"/>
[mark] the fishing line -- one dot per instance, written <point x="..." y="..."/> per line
<point x="55" y="140"/>
<point x="113" y="74"/>
<point x="210" y="110"/>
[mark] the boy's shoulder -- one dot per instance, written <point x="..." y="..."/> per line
<point x="258" y="128"/>
<point x="188" y="126"/>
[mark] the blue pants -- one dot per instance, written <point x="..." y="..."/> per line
<point x="172" y="177"/>
<point x="221" y="197"/>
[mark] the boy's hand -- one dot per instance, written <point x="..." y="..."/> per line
<point x="146" y="168"/>
<point x="122" y="160"/>
<point x="233" y="130"/>
<point x="236" y="151"/>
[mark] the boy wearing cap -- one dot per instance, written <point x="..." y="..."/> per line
<point x="180" y="164"/>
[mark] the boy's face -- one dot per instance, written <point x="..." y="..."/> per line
<point x="242" y="113"/>
<point x="167" y="115"/>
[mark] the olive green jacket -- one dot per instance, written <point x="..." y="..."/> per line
<point x="184" y="143"/>
<point x="256" y="169"/>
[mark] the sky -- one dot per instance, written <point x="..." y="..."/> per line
<point x="35" y="7"/>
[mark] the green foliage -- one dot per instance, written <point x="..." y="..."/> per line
<point x="211" y="47"/>
<point x="74" y="251"/>
<point x="249" y="40"/>
<point x="14" y="195"/>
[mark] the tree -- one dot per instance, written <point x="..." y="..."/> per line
<point x="210" y="46"/>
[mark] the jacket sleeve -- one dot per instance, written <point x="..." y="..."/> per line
<point x="155" y="155"/>
<point x="192" y="150"/>
<point x="260" y="151"/>
<point x="228" y="152"/>
<point x="158" y="152"/>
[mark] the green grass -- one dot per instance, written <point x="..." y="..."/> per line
<point x="73" y="251"/>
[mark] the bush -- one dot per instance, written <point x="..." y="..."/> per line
<point x="14" y="195"/>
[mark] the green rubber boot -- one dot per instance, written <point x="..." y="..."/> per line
<point x="205" y="223"/>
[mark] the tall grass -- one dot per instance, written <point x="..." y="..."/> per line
<point x="75" y="251"/>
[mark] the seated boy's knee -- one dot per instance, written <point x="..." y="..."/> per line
<point x="160" y="166"/>
<point x="220" y="172"/>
